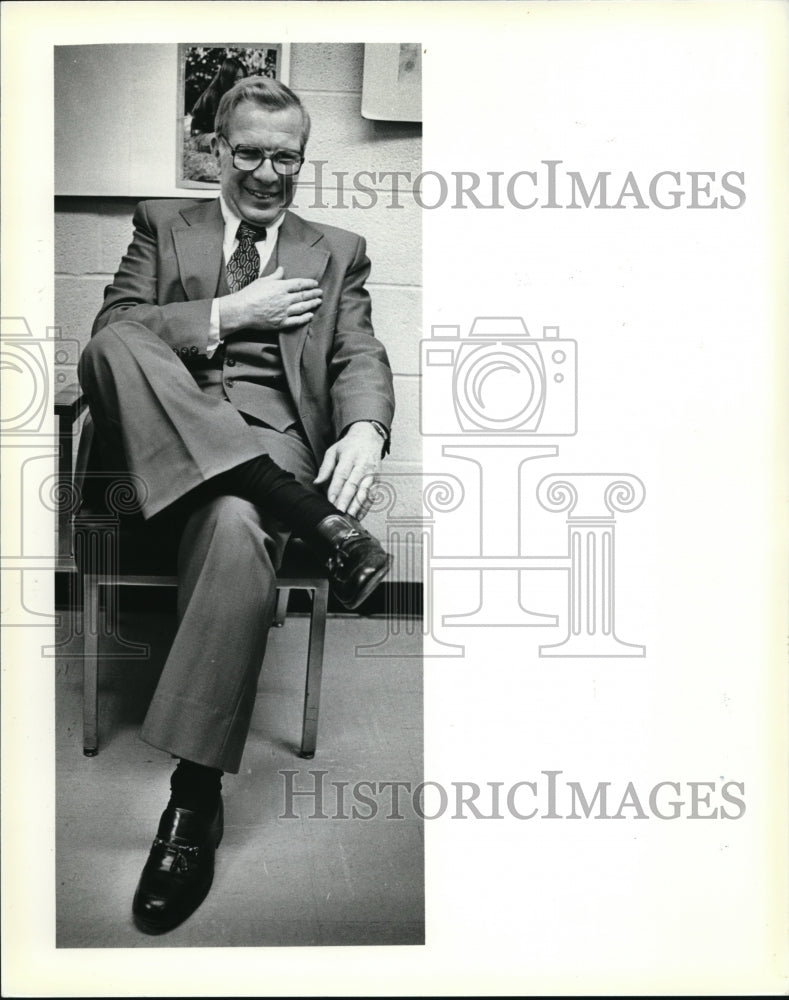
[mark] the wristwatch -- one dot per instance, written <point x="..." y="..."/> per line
<point x="380" y="428"/>
<point x="384" y="433"/>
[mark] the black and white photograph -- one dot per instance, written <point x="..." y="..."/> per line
<point x="222" y="598"/>
<point x="393" y="432"/>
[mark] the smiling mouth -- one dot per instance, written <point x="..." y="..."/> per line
<point x="262" y="196"/>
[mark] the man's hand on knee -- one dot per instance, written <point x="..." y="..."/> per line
<point x="350" y="467"/>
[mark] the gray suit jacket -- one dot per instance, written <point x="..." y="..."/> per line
<point x="336" y="370"/>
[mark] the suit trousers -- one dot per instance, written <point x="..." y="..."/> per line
<point x="154" y="421"/>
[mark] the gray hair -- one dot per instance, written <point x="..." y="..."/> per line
<point x="265" y="93"/>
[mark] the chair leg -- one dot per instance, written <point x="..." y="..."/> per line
<point x="282" y="606"/>
<point x="312" y="691"/>
<point x="90" y="668"/>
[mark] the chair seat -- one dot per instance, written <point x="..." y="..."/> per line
<point x="150" y="548"/>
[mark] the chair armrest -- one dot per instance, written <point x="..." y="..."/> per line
<point x="70" y="401"/>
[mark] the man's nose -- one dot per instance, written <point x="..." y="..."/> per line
<point x="266" y="172"/>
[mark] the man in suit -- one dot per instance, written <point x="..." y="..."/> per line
<point x="233" y="330"/>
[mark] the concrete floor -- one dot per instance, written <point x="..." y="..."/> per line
<point x="279" y="881"/>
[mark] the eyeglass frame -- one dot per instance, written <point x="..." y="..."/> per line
<point x="263" y="157"/>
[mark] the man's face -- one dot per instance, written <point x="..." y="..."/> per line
<point x="261" y="196"/>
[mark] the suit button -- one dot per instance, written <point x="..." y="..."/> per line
<point x="175" y="350"/>
<point x="230" y="362"/>
<point x="184" y="352"/>
<point x="229" y="383"/>
<point x="193" y="350"/>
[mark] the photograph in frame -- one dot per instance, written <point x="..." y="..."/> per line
<point x="205" y="73"/>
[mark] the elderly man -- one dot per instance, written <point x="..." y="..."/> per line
<point x="232" y="366"/>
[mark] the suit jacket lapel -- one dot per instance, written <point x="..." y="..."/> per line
<point x="198" y="238"/>
<point x="301" y="255"/>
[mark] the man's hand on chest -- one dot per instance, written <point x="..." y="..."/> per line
<point x="270" y="303"/>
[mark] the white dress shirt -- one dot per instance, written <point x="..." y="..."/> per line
<point x="229" y="243"/>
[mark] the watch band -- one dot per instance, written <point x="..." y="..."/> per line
<point x="380" y="429"/>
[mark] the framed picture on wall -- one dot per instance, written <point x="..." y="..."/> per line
<point x="205" y="73"/>
<point x="392" y="82"/>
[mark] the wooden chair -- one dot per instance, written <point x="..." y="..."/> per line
<point x="99" y="545"/>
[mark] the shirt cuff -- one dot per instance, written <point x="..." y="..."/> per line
<point x="214" y="339"/>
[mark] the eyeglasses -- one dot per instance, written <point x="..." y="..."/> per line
<point x="249" y="158"/>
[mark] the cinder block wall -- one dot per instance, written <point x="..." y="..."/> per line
<point x="91" y="235"/>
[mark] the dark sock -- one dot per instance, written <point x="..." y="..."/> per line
<point x="194" y="786"/>
<point x="263" y="482"/>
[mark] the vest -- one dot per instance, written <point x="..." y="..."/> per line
<point x="247" y="370"/>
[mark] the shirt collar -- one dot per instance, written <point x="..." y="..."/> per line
<point x="232" y="221"/>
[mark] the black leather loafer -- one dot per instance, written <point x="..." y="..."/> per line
<point x="179" y="870"/>
<point x="356" y="562"/>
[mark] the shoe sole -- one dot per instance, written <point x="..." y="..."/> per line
<point x="370" y="586"/>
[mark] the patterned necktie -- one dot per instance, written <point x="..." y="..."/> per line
<point x="244" y="264"/>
